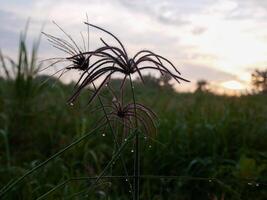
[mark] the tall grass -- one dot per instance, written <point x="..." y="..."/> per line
<point x="207" y="146"/>
<point x="101" y="64"/>
<point x="201" y="136"/>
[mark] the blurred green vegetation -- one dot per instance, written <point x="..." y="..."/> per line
<point x="200" y="135"/>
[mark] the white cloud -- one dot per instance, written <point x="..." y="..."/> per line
<point x="223" y="37"/>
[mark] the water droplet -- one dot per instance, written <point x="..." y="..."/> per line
<point x="210" y="180"/>
<point x="125" y="139"/>
<point x="257" y="184"/>
<point x="132" y="150"/>
<point x="145" y="138"/>
<point x="150" y="146"/>
<point x="126" y="180"/>
<point x="103" y="134"/>
<point x="249" y="183"/>
<point x="71" y="104"/>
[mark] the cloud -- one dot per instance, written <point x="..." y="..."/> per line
<point x="247" y="10"/>
<point x="197" y="72"/>
<point x="168" y="12"/>
<point x="198" y="30"/>
<point x="202" y="35"/>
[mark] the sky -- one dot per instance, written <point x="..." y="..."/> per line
<point x="221" y="41"/>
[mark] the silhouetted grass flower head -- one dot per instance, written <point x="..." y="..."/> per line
<point x="103" y="62"/>
<point x="126" y="115"/>
<point x="71" y="49"/>
<point x="115" y="59"/>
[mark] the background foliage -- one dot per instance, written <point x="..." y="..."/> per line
<point x="215" y="144"/>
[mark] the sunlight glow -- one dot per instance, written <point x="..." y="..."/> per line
<point x="233" y="85"/>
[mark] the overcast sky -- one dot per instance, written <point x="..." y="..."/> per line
<point x="216" y="40"/>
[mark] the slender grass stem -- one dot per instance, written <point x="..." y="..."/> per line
<point x="115" y="156"/>
<point x="130" y="177"/>
<point x="114" y="137"/>
<point x="137" y="153"/>
<point x="114" y="159"/>
<point x="4" y="190"/>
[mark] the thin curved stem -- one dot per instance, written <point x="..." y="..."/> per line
<point x="97" y="27"/>
<point x="137" y="154"/>
<point x="8" y="188"/>
<point x="115" y="158"/>
<point x="114" y="137"/>
<point x="148" y="176"/>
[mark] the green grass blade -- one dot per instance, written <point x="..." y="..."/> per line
<point x="7" y="189"/>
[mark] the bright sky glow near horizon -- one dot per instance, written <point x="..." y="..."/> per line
<point x="221" y="41"/>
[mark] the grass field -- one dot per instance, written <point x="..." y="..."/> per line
<point x="206" y="147"/>
<point x="216" y="145"/>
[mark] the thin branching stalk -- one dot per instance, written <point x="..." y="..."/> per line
<point x="102" y="63"/>
<point x="116" y="156"/>
<point x="110" y="163"/>
<point x="4" y="190"/>
<point x="114" y="159"/>
<point x="148" y="176"/>
<point x="137" y="153"/>
<point x="115" y="139"/>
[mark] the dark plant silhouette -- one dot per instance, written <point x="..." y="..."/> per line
<point x="125" y="114"/>
<point x="259" y="80"/>
<point x="150" y="81"/>
<point x="71" y="48"/>
<point x="202" y="86"/>
<point x="165" y="80"/>
<point x="26" y="67"/>
<point x="107" y="60"/>
<point x="101" y="64"/>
